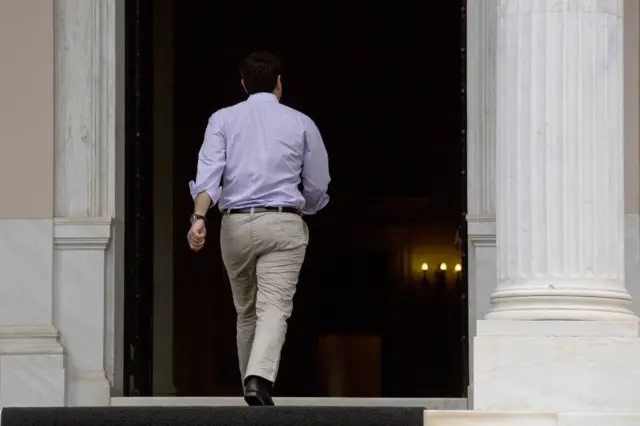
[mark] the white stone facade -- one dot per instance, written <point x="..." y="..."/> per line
<point x="552" y="233"/>
<point x="59" y="276"/>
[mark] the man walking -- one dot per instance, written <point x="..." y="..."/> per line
<point x="254" y="156"/>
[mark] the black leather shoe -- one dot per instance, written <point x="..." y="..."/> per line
<point x="257" y="391"/>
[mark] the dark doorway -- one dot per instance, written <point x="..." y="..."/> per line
<point x="383" y="83"/>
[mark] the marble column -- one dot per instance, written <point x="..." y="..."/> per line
<point x="560" y="335"/>
<point x="560" y="210"/>
<point x="85" y="152"/>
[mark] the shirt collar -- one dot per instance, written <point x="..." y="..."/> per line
<point x="269" y="97"/>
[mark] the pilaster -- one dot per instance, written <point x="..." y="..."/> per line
<point x="481" y="155"/>
<point x="85" y="83"/>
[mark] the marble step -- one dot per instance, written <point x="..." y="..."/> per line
<point x="427" y="403"/>
<point x="485" y="418"/>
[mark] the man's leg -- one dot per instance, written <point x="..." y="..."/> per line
<point x="244" y="299"/>
<point x="237" y="255"/>
<point x="277" y="274"/>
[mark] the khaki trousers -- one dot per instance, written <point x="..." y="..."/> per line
<point x="263" y="254"/>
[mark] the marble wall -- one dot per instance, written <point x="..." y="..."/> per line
<point x="31" y="356"/>
<point x="26" y="110"/>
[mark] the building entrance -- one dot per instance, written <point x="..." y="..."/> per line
<point x="384" y="89"/>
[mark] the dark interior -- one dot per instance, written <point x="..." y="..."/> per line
<point x="383" y="83"/>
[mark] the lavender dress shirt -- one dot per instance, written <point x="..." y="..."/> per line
<point x="257" y="152"/>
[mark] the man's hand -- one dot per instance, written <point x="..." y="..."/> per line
<point x="196" y="235"/>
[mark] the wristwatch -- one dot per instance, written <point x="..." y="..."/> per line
<point x="195" y="217"/>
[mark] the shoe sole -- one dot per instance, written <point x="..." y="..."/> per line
<point x="253" y="400"/>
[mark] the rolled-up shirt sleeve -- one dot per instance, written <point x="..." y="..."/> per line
<point x="315" y="170"/>
<point x="211" y="161"/>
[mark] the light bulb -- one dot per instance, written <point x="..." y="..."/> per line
<point x="458" y="267"/>
<point x="425" y="267"/>
<point x="443" y="266"/>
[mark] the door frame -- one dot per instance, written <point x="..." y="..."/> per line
<point x="138" y="286"/>
<point x="464" y="285"/>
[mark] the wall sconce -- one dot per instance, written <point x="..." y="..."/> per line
<point x="458" y="269"/>
<point x="425" y="268"/>
<point x="441" y="273"/>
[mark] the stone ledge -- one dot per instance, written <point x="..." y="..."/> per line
<point x="29" y="340"/>
<point x="481" y="229"/>
<point x="488" y="418"/>
<point x="558" y="328"/>
<point x="160" y="401"/>
<point x="505" y="418"/>
<point x="81" y="234"/>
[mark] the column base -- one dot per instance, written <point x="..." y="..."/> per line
<point x="557" y="366"/>
<point x="561" y="301"/>
<point x="31" y="367"/>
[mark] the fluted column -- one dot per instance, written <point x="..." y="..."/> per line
<point x="559" y="187"/>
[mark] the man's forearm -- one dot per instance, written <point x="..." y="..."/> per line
<point x="315" y="201"/>
<point x="202" y="204"/>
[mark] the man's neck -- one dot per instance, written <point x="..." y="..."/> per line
<point x="264" y="96"/>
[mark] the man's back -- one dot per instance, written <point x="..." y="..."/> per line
<point x="265" y="151"/>
<point x="269" y="150"/>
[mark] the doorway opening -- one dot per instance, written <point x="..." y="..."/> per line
<point x="383" y="83"/>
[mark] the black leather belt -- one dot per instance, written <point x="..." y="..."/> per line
<point x="264" y="210"/>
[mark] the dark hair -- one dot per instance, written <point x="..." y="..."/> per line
<point x="260" y="71"/>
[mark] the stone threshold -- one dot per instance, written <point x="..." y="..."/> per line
<point x="503" y="418"/>
<point x="427" y="403"/>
